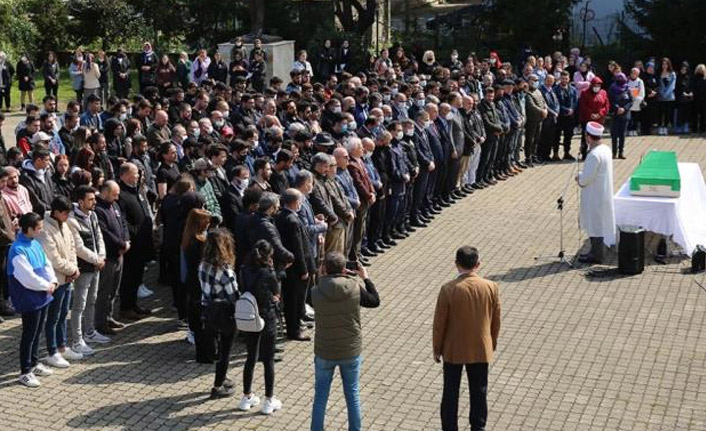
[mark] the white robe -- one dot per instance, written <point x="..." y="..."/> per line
<point x="597" y="215"/>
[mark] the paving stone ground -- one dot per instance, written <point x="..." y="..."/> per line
<point x="575" y="352"/>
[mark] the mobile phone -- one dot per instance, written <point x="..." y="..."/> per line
<point x="352" y="265"/>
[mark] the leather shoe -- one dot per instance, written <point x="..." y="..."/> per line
<point x="418" y="223"/>
<point x="500" y="177"/>
<point x="409" y="228"/>
<point x="373" y="248"/>
<point x="444" y="203"/>
<point x="383" y="244"/>
<point x="390" y="242"/>
<point x="491" y="181"/>
<point x="468" y="189"/>
<point x="131" y="315"/>
<point x="397" y="235"/>
<point x="367" y="253"/>
<point x="522" y="165"/>
<point x="424" y="219"/>
<point x="478" y="186"/>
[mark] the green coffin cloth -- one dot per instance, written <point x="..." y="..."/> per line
<point x="657" y="175"/>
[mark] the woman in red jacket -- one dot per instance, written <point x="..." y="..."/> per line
<point x="593" y="106"/>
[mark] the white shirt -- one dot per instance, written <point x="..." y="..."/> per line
<point x="597" y="213"/>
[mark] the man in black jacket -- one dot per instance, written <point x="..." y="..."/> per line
<point x="139" y="223"/>
<point x="232" y="204"/>
<point x="493" y="130"/>
<point x="36" y="177"/>
<point x="294" y="239"/>
<point x="117" y="242"/>
<point x="260" y="226"/>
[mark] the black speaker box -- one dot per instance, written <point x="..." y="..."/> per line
<point x="631" y="251"/>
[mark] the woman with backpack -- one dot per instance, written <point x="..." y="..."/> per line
<point x="219" y="291"/>
<point x="259" y="278"/>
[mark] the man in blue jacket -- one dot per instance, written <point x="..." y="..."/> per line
<point x="568" y="103"/>
<point x="31" y="282"/>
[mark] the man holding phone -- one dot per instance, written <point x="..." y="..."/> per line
<point x="338" y="340"/>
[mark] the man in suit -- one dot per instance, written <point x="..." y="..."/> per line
<point x="233" y="196"/>
<point x="458" y="132"/>
<point x="437" y="150"/>
<point x="442" y="126"/>
<point x="466" y="328"/>
<point x="493" y="131"/>
<point x="419" y="214"/>
<point x="294" y="239"/>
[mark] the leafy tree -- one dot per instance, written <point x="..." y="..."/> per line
<point x="51" y="19"/>
<point x="112" y="22"/>
<point x="674" y="28"/>
<point x="17" y="33"/>
<point x="520" y="22"/>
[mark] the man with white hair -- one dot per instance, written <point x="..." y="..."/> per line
<point x="597" y="213"/>
<point x="366" y="194"/>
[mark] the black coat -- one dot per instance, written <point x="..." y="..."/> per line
<point x="121" y="84"/>
<point x="231" y="207"/>
<point x="260" y="226"/>
<point x="294" y="239"/>
<point x="113" y="227"/>
<point x="25" y="70"/>
<point x="138" y="219"/>
<point x="41" y="192"/>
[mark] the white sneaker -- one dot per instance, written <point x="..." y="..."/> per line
<point x="29" y="380"/>
<point x="248" y="402"/>
<point x="309" y="311"/>
<point x="190" y="337"/>
<point x="271" y="405"/>
<point x="71" y="355"/>
<point x="96" y="337"/>
<point x="41" y="370"/>
<point x="83" y="348"/>
<point x="56" y="361"/>
<point x="143" y="291"/>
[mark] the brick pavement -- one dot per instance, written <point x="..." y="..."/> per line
<point x="575" y="353"/>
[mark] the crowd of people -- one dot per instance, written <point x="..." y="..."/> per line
<point x="235" y="183"/>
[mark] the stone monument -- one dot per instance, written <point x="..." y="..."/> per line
<point x="280" y="53"/>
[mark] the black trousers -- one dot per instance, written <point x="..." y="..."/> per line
<point x="419" y="193"/>
<point x="377" y="215"/>
<point x="293" y="294"/>
<point x="454" y="168"/>
<point x="224" y="338"/>
<point x="5" y="96"/>
<point x="487" y="158"/>
<point x="51" y="89"/>
<point x="133" y="269"/>
<point x="442" y="175"/>
<point x="478" y="389"/>
<point x="32" y="329"/>
<point x="565" y="126"/>
<point x="533" y="131"/>
<point x="546" y="139"/>
<point x="3" y="267"/>
<point x="204" y="338"/>
<point x="256" y="342"/>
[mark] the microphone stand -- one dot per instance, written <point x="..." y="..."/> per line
<point x="560" y="206"/>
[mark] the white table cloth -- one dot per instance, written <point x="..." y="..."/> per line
<point x="682" y="218"/>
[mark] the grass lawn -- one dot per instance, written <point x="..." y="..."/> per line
<point x="66" y="92"/>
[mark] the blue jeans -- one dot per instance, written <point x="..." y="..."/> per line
<point x="56" y="318"/>
<point x="350" y="374"/>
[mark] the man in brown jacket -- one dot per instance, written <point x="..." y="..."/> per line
<point x="466" y="327"/>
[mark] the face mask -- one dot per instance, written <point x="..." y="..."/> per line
<point x="454" y="57"/>
<point x="596" y="88"/>
<point x="352" y="125"/>
<point x="240" y="184"/>
<point x="218" y="123"/>
<point x="337" y="110"/>
<point x="226" y="114"/>
<point x="449" y="116"/>
<point x="399" y="136"/>
<point x="79" y="57"/>
<point x="344" y="128"/>
<point x="394" y="91"/>
<point x="388" y="119"/>
<point x="197" y="133"/>
<point x="534" y="84"/>
<point x="427" y="123"/>
<point x="386" y="97"/>
<point x="420" y="103"/>
<point x="409" y="132"/>
<point x="123" y="117"/>
<point x="402" y="105"/>
<point x="423" y="83"/>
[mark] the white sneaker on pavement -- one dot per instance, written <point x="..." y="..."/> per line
<point x="71" y="355"/>
<point x="56" y="361"/>
<point x="96" y="337"/>
<point x="271" y="405"/>
<point x="247" y="402"/>
<point x="143" y="291"/>
<point x="190" y="337"/>
<point x="29" y="380"/>
<point x="42" y="370"/>
<point x="83" y="348"/>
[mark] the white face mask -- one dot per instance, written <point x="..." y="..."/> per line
<point x="209" y="130"/>
<point x="386" y="97"/>
<point x="352" y="126"/>
<point x="123" y="116"/>
<point x="409" y="132"/>
<point x="420" y="103"/>
<point x="399" y="136"/>
<point x="449" y="116"/>
<point x="388" y="119"/>
<point x="427" y="123"/>
<point x="337" y="109"/>
<point x="226" y="114"/>
<point x="219" y="123"/>
<point x="596" y="88"/>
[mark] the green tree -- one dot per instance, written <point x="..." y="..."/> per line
<point x="519" y="22"/>
<point x="51" y="19"/>
<point x="674" y="28"/>
<point x="110" y="22"/>
<point x="17" y="33"/>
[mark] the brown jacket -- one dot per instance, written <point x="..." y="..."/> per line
<point x="467" y="320"/>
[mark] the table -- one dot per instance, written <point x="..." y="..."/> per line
<point x="682" y="218"/>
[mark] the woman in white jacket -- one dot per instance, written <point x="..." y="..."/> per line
<point x="91" y="79"/>
<point x="637" y="89"/>
<point x="58" y="242"/>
